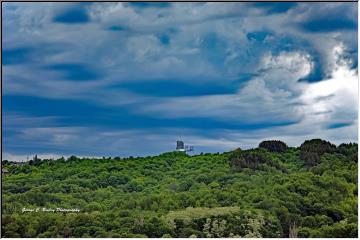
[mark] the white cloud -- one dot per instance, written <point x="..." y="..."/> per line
<point x="267" y="97"/>
<point x="336" y="97"/>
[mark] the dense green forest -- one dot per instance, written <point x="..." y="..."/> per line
<point x="271" y="191"/>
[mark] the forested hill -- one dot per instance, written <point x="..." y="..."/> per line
<point x="270" y="191"/>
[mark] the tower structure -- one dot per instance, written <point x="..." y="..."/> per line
<point x="180" y="146"/>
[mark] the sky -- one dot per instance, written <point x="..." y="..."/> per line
<point x="129" y="79"/>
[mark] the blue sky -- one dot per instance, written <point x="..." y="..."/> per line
<point x="121" y="79"/>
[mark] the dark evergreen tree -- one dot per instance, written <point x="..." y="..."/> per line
<point x="273" y="146"/>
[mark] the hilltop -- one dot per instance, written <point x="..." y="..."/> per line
<point x="271" y="191"/>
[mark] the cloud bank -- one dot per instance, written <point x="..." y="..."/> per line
<point x="120" y="79"/>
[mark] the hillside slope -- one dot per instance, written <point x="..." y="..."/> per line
<point x="272" y="191"/>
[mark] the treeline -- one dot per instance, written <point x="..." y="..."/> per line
<point x="271" y="191"/>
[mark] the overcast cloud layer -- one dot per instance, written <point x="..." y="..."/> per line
<point x="120" y="79"/>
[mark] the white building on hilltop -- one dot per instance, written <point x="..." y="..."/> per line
<point x="180" y="147"/>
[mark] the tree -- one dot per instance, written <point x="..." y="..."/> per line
<point x="311" y="151"/>
<point x="273" y="146"/>
<point x="293" y="231"/>
<point x="311" y="159"/>
<point x="318" y="145"/>
<point x="252" y="193"/>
